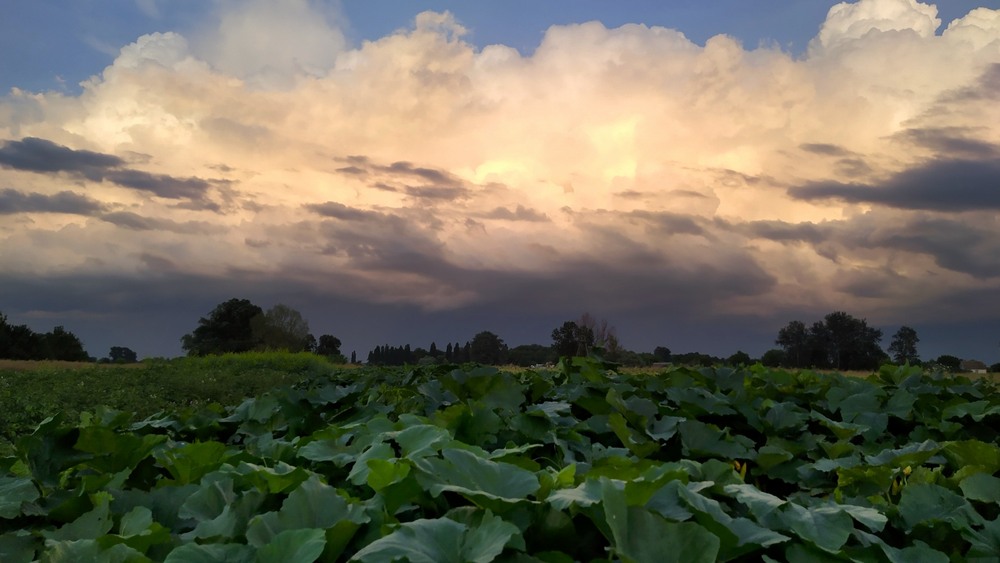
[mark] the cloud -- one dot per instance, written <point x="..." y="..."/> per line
<point x="44" y="156"/>
<point x="849" y="22"/>
<point x="521" y="213"/>
<point x="623" y="168"/>
<point x="269" y="43"/>
<point x="943" y="185"/>
<point x="13" y="201"/>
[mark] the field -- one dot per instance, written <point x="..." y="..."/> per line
<point x="314" y="462"/>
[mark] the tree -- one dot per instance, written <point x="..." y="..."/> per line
<point x="329" y="346"/>
<point x="773" y="358"/>
<point x="995" y="368"/>
<point x="487" y="348"/>
<point x="572" y="339"/>
<point x="122" y="355"/>
<point x="903" y="347"/>
<point x="662" y="354"/>
<point x="228" y="328"/>
<point x="839" y="341"/>
<point x="60" y="344"/>
<point x="740" y="358"/>
<point x="952" y="363"/>
<point x="281" y="328"/>
<point x="605" y="335"/>
<point x="527" y="355"/>
<point x="794" y="340"/>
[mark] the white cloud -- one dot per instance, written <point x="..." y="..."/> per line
<point x="269" y="43"/>
<point x="847" y="22"/>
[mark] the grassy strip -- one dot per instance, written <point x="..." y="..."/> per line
<point x="32" y="391"/>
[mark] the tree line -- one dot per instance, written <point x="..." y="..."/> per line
<point x="839" y="342"/>
<point x="19" y="342"/>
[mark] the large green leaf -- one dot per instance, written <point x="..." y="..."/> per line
<point x="188" y="463"/>
<point x="18" y="547"/>
<point x="14" y="491"/>
<point x="826" y="526"/>
<point x="981" y="487"/>
<point x="464" y="472"/>
<point x="442" y="541"/>
<point x="212" y="553"/>
<point x="76" y="551"/>
<point x="928" y="503"/>
<point x="639" y="536"/>
<point x="293" y="546"/>
<point x="91" y="525"/>
<point x="312" y="505"/>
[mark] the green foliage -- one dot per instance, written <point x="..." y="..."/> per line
<point x="228" y="328"/>
<point x="579" y="463"/>
<point x="840" y="341"/>
<point x="19" y="342"/>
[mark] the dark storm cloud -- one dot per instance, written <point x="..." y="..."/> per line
<point x="45" y="157"/>
<point x="671" y="223"/>
<point x="40" y="155"/>
<point x="521" y="213"/>
<point x="951" y="141"/>
<point x="353" y="170"/>
<point x="437" y="192"/>
<point x="825" y="149"/>
<point x="160" y="185"/>
<point x="136" y="222"/>
<point x="420" y="182"/>
<point x="784" y="232"/>
<point x="13" y="201"/>
<point x="954" y="245"/>
<point x="435" y="177"/>
<point x="340" y="211"/>
<point x="939" y="185"/>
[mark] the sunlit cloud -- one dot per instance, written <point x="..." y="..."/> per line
<point x="617" y="168"/>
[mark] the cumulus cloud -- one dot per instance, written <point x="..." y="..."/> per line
<point x="626" y="167"/>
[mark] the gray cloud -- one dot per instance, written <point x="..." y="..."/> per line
<point x="437" y="192"/>
<point x="521" y="213"/>
<point x="784" y="232"/>
<point x="40" y="155"/>
<point x="825" y="149"/>
<point x="939" y="185"/>
<point x="136" y="222"/>
<point x="340" y="211"/>
<point x="13" y="201"/>
<point x="45" y="157"/>
<point x="954" y="245"/>
<point x="161" y="185"/>
<point x="951" y="141"/>
<point x="671" y="223"/>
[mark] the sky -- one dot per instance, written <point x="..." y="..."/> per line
<point x="696" y="173"/>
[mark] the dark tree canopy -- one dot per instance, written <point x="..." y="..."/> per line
<point x="487" y="348"/>
<point x="949" y="362"/>
<point x="328" y="345"/>
<point x="228" y="328"/>
<point x="530" y="354"/>
<point x="661" y="353"/>
<point x="122" y="355"/>
<point x="903" y="347"/>
<point x="839" y="341"/>
<point x="572" y="339"/>
<point x="19" y="342"/>
<point x="282" y="328"/>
